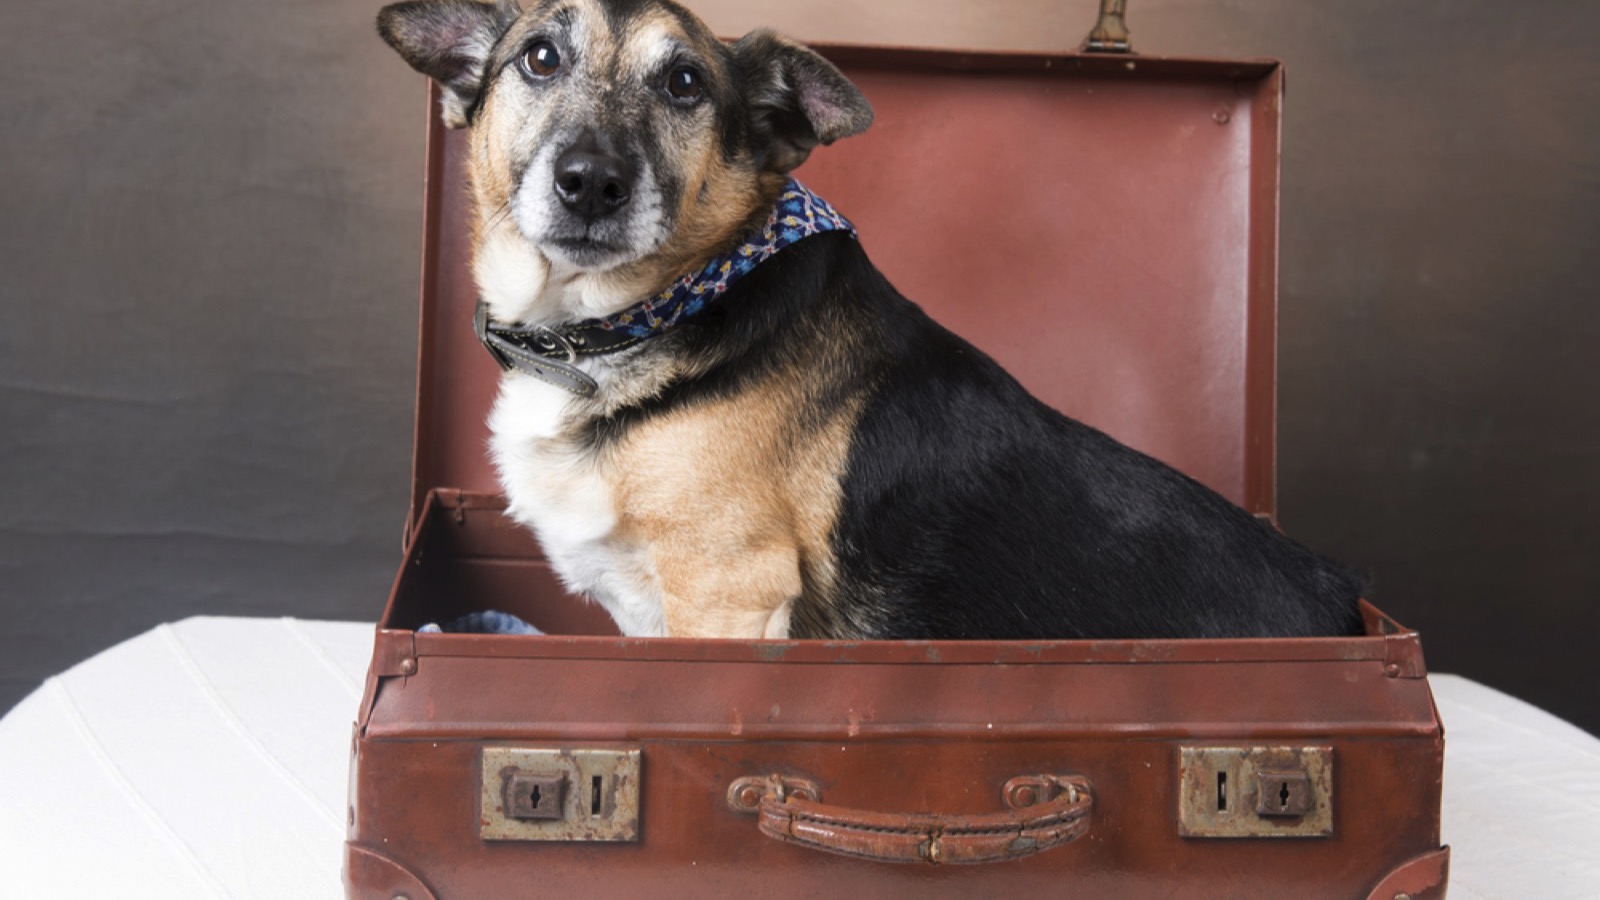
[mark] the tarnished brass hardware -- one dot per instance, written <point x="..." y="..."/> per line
<point x="560" y="794"/>
<point x="1283" y="793"/>
<point x="744" y="794"/>
<point x="1110" y="34"/>
<point x="535" y="796"/>
<point x="1255" y="791"/>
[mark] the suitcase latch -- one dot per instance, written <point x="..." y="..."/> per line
<point x="1237" y="792"/>
<point x="560" y="794"/>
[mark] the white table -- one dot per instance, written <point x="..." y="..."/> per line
<point x="208" y="759"/>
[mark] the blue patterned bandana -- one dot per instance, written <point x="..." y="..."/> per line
<point x="532" y="349"/>
<point x="799" y="214"/>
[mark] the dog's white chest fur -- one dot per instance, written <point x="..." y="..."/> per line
<point x="555" y="486"/>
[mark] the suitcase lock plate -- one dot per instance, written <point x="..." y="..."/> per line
<point x="1246" y="792"/>
<point x="560" y="794"/>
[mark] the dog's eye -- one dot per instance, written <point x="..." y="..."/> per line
<point x="685" y="83"/>
<point x="542" y="59"/>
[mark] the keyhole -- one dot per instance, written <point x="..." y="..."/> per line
<point x="594" y="796"/>
<point x="1222" y="792"/>
<point x="534" y="798"/>
<point x="1283" y="796"/>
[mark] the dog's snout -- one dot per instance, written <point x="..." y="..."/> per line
<point x="592" y="181"/>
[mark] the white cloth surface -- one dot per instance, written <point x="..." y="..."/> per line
<point x="208" y="758"/>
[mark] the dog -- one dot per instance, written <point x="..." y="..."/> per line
<point x="722" y="421"/>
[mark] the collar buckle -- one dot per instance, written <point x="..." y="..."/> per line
<point x="548" y="339"/>
<point x="511" y="355"/>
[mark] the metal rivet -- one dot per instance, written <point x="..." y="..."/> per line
<point x="1392" y="670"/>
<point x="1221" y="117"/>
<point x="750" y="795"/>
<point x="1402" y="897"/>
<point x="407" y="666"/>
<point x="1024" y="795"/>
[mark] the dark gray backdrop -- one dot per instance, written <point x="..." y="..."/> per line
<point x="209" y="231"/>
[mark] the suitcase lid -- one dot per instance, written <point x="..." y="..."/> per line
<point x="1105" y="226"/>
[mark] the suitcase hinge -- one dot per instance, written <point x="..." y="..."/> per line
<point x="1110" y="33"/>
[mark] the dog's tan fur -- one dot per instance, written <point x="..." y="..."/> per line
<point x="726" y="495"/>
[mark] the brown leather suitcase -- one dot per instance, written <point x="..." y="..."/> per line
<point x="1104" y="225"/>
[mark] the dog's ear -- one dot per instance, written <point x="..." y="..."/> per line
<point x="797" y="100"/>
<point x="448" y="41"/>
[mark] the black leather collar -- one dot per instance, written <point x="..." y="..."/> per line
<point x="548" y="353"/>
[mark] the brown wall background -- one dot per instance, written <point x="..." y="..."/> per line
<point x="209" y="228"/>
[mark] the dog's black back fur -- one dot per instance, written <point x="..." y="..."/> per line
<point x="973" y="510"/>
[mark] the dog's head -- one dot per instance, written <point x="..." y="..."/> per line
<point x="615" y="143"/>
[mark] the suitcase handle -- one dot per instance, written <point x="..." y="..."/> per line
<point x="1046" y="811"/>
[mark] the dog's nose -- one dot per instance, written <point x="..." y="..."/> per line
<point x="592" y="182"/>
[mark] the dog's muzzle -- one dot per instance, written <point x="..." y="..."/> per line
<point x="593" y="181"/>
